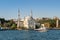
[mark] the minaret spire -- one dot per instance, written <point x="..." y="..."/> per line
<point x="31" y="13"/>
<point x="18" y="23"/>
<point x="18" y="12"/>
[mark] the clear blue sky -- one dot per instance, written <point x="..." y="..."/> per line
<point x="40" y="8"/>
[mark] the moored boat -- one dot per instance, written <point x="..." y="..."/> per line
<point x="3" y="29"/>
<point x="42" y="29"/>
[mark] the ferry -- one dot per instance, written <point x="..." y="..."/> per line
<point x="41" y="29"/>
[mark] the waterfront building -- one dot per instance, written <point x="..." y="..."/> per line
<point x="28" y="22"/>
<point x="57" y="21"/>
<point x="47" y="24"/>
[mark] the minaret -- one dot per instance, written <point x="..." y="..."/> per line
<point x="31" y="14"/>
<point x="18" y="23"/>
<point x="57" y="22"/>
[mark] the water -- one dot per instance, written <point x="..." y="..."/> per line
<point x="29" y="35"/>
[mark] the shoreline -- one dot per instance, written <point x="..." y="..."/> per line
<point x="29" y="29"/>
<point x="53" y="28"/>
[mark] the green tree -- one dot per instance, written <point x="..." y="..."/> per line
<point x="13" y="26"/>
<point x="52" y="23"/>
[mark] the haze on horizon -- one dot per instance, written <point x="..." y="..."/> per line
<point x="40" y="8"/>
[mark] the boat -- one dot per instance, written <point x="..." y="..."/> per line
<point x="41" y="29"/>
<point x="3" y="29"/>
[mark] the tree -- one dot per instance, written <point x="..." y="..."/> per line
<point x="52" y="23"/>
<point x="13" y="26"/>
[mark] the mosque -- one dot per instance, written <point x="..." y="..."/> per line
<point x="28" y="22"/>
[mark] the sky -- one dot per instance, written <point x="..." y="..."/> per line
<point x="40" y="8"/>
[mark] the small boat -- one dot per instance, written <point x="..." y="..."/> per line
<point x="42" y="29"/>
<point x="3" y="29"/>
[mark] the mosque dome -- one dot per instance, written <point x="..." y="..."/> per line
<point x="28" y="18"/>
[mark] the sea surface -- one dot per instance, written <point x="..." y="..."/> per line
<point x="29" y="35"/>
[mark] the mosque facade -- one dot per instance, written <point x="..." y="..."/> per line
<point x="28" y="22"/>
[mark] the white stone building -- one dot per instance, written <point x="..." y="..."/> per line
<point x="28" y="22"/>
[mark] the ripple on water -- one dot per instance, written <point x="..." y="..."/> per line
<point x="29" y="35"/>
